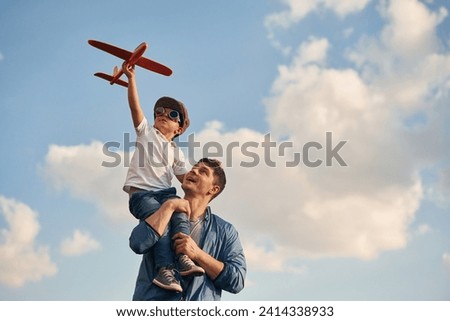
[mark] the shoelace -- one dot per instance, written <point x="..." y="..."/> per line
<point x="166" y="273"/>
<point x="186" y="260"/>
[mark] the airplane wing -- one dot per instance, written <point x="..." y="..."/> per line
<point x="113" y="50"/>
<point x="125" y="55"/>
<point x="109" y="78"/>
<point x="154" y="66"/>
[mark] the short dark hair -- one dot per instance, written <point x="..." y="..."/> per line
<point x="218" y="172"/>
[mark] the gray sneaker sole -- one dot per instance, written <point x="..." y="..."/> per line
<point x="170" y="287"/>
<point x="193" y="272"/>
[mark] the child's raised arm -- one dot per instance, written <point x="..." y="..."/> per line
<point x="137" y="114"/>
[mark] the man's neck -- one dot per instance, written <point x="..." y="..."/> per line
<point x="198" y="207"/>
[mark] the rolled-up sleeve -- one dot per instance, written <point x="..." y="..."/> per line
<point x="232" y="277"/>
<point x="142" y="238"/>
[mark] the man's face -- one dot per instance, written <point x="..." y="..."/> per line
<point x="200" y="180"/>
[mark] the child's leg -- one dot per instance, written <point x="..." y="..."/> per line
<point x="180" y="223"/>
<point x="164" y="263"/>
<point x="143" y="204"/>
<point x="164" y="256"/>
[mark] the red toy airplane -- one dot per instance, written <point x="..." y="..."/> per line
<point x="133" y="58"/>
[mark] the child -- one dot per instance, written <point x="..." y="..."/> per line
<point x="149" y="180"/>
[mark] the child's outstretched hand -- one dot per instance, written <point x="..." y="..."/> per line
<point x="128" y="70"/>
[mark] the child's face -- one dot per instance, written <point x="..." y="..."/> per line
<point x="166" y="125"/>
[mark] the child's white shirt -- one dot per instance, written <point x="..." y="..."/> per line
<point x="155" y="161"/>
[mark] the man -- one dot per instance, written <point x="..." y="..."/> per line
<point x="213" y="243"/>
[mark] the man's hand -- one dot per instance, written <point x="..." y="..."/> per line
<point x="185" y="244"/>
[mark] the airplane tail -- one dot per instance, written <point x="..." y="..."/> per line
<point x="115" y="71"/>
<point x="110" y="78"/>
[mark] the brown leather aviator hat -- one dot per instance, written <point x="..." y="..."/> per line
<point x="169" y="102"/>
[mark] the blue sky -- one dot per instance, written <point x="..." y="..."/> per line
<point x="375" y="74"/>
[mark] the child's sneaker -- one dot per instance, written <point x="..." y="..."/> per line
<point x="166" y="280"/>
<point x="187" y="267"/>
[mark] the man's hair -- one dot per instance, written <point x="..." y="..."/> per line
<point x="218" y="172"/>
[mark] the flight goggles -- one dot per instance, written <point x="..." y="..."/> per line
<point x="173" y="114"/>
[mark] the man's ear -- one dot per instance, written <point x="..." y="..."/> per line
<point x="214" y="190"/>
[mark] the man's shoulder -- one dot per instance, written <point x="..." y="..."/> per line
<point x="225" y="233"/>
<point x="220" y="222"/>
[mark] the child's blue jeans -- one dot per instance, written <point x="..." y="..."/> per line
<point x="145" y="203"/>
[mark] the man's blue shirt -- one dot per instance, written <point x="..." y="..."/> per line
<point x="218" y="238"/>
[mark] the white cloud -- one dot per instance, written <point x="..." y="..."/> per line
<point x="360" y="210"/>
<point x="441" y="191"/>
<point x="1" y="56"/>
<point x="80" y="243"/>
<point x="21" y="258"/>
<point x="314" y="51"/>
<point x="345" y="7"/>
<point x="419" y="24"/>
<point x="423" y="229"/>
<point x="365" y="208"/>
<point x="79" y="170"/>
<point x="446" y="260"/>
<point x="405" y="69"/>
<point x="307" y="212"/>
<point x="297" y="10"/>
<point x="262" y="259"/>
<point x="348" y="32"/>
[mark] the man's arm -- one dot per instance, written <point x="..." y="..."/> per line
<point x="228" y="274"/>
<point x="137" y="114"/>
<point x="186" y="245"/>
<point x="232" y="277"/>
